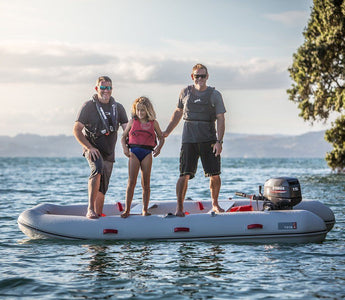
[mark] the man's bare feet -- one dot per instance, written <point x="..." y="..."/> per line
<point x="145" y="214"/>
<point x="91" y="214"/>
<point x="217" y="209"/>
<point x="125" y="214"/>
<point x="179" y="213"/>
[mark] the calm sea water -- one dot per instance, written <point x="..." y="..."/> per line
<point x="55" y="269"/>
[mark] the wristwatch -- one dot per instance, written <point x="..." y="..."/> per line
<point x="220" y="141"/>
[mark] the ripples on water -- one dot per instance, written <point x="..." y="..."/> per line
<point x="52" y="269"/>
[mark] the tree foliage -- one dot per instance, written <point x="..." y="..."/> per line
<point x="336" y="136"/>
<point x="318" y="72"/>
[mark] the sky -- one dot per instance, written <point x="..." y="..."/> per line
<point x="52" y="52"/>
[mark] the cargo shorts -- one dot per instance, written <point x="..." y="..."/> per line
<point x="103" y="167"/>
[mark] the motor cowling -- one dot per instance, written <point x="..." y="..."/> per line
<point x="282" y="193"/>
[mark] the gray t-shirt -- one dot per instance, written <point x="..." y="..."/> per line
<point x="89" y="116"/>
<point x="200" y="131"/>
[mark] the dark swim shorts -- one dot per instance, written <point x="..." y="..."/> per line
<point x="189" y="156"/>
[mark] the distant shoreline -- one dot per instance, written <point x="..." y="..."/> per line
<point x="236" y="145"/>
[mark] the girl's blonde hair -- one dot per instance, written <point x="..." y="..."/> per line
<point x="146" y="103"/>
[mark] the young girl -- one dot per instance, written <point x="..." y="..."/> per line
<point x="138" y="143"/>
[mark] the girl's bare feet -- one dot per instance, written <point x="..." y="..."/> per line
<point x="125" y="214"/>
<point x="179" y="214"/>
<point x="217" y="209"/>
<point x="91" y="214"/>
<point x="145" y="214"/>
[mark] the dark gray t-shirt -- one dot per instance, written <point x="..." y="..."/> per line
<point x="88" y="115"/>
<point x="200" y="131"/>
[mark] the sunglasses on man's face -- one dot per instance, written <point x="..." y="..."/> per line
<point x="103" y="88"/>
<point x="197" y="76"/>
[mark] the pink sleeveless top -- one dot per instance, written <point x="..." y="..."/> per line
<point x="142" y="135"/>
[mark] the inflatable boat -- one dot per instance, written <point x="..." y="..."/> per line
<point x="267" y="218"/>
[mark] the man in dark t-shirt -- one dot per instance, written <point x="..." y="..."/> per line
<point x="96" y="130"/>
<point x="202" y="109"/>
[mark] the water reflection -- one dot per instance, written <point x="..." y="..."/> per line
<point x="100" y="261"/>
<point x="126" y="264"/>
<point x="184" y="267"/>
<point x="199" y="266"/>
<point x="136" y="259"/>
<point x="194" y="260"/>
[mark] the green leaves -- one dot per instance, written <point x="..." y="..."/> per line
<point x="318" y="73"/>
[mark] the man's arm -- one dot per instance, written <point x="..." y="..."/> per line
<point x="220" y="126"/>
<point x="218" y="147"/>
<point x="175" y="119"/>
<point x="78" y="133"/>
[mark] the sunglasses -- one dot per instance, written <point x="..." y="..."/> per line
<point x="103" y="88"/>
<point x="197" y="76"/>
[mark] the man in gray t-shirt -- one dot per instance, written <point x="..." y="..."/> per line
<point x="202" y="109"/>
<point x="96" y="131"/>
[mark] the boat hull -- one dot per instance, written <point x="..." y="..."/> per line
<point x="69" y="222"/>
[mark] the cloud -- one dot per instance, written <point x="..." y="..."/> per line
<point x="290" y="18"/>
<point x="59" y="63"/>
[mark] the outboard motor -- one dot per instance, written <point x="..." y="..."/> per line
<point x="282" y="193"/>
